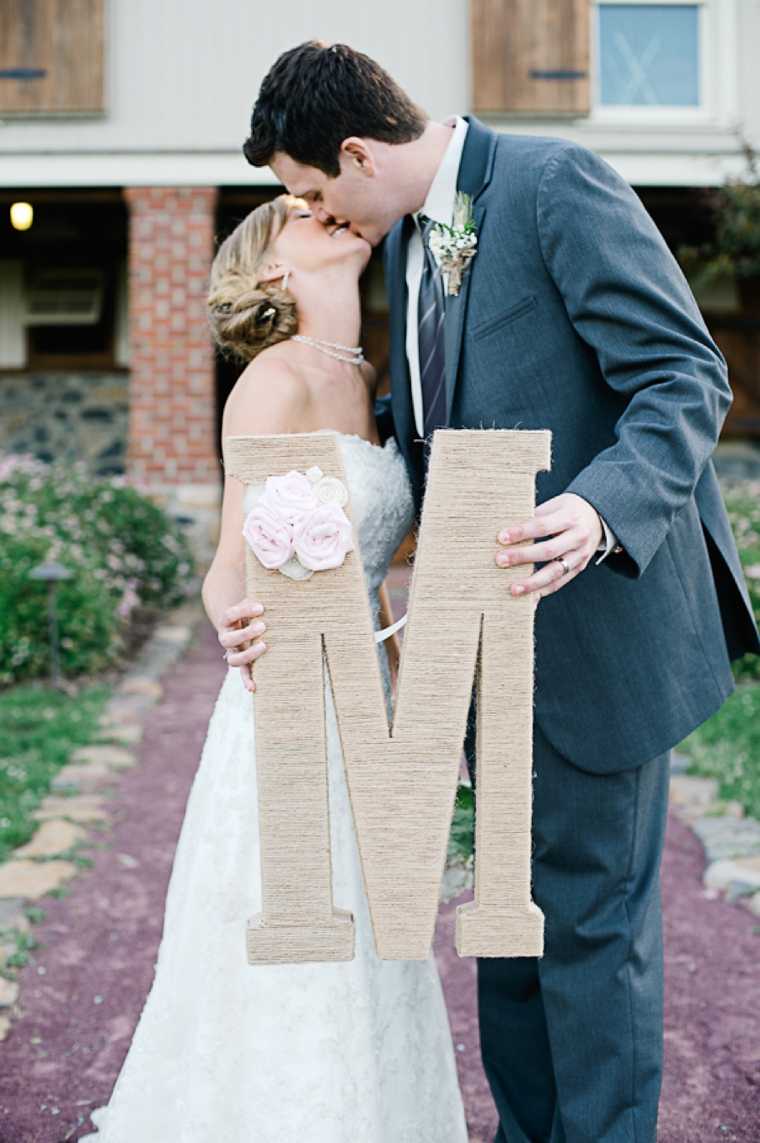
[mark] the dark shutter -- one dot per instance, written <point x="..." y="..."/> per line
<point x="531" y="56"/>
<point x="51" y="56"/>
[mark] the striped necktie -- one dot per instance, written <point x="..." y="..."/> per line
<point x="430" y="340"/>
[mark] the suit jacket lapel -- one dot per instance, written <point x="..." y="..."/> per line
<point x="474" y="176"/>
<point x="456" y="308"/>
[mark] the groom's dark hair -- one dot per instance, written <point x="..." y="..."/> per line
<point x="317" y="95"/>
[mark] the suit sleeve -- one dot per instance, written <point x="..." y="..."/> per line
<point x="384" y="418"/>
<point x="629" y="301"/>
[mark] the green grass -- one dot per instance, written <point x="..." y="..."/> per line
<point x="461" y="836"/>
<point x="39" y="728"/>
<point x="727" y="747"/>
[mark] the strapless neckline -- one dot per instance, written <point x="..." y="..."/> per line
<point x="356" y="437"/>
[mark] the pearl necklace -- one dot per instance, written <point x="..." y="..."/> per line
<point x="349" y="354"/>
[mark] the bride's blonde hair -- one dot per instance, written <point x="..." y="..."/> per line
<point x="247" y="315"/>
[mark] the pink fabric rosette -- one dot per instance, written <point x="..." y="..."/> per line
<point x="270" y="537"/>
<point x="291" y="497"/>
<point x="324" y="538"/>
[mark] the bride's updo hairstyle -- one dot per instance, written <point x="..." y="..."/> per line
<point x="247" y="315"/>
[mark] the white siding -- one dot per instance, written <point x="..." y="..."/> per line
<point x="182" y="76"/>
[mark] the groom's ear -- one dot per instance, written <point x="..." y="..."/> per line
<point x="356" y="154"/>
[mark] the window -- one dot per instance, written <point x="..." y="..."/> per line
<point x="649" y="55"/>
<point x="65" y="297"/>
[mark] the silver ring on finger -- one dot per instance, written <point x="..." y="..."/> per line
<point x="228" y="652"/>
<point x="563" y="561"/>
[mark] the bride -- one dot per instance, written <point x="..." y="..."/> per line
<point x="349" y="1052"/>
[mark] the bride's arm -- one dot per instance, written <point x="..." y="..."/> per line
<point x="392" y="643"/>
<point x="267" y="399"/>
<point x="238" y="624"/>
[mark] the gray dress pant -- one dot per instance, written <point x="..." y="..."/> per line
<point x="572" y="1042"/>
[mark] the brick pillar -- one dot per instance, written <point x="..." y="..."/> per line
<point x="172" y="421"/>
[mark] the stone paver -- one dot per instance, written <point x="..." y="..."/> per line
<point x="114" y="757"/>
<point x="33" y="879"/>
<point x="8" y="992"/>
<point x="141" y="685"/>
<point x="128" y="709"/>
<point x="744" y="871"/>
<point x="726" y="837"/>
<point x="85" y="778"/>
<point x="12" y="914"/>
<point x="693" y="793"/>
<point x="85" y="808"/>
<point x="52" y="839"/>
<point x="125" y="734"/>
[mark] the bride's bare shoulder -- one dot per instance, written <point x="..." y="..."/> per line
<point x="268" y="397"/>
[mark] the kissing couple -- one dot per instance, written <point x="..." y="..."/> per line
<point x="567" y="313"/>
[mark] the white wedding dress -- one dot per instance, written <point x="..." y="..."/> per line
<point x="225" y="1052"/>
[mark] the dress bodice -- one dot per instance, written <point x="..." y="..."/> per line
<point x="381" y="502"/>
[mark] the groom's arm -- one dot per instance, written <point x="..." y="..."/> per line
<point x="384" y="418"/>
<point x="629" y="301"/>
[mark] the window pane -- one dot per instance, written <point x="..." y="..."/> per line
<point x="649" y="54"/>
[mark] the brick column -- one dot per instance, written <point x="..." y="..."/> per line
<point x="172" y="420"/>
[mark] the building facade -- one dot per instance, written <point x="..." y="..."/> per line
<point x="121" y="125"/>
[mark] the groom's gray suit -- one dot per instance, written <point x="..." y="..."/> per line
<point x="574" y="317"/>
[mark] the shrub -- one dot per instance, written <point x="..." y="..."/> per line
<point x="742" y="498"/>
<point x="735" y="212"/>
<point x="124" y="551"/>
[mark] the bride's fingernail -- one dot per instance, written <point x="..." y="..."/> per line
<point x="258" y="628"/>
<point x="518" y="589"/>
<point x="259" y="646"/>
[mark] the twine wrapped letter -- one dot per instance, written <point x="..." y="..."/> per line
<point x="402" y="781"/>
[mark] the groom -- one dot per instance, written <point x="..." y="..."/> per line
<point x="573" y="317"/>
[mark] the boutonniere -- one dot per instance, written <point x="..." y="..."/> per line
<point x="454" y="247"/>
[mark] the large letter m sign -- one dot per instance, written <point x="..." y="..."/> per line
<point x="463" y="627"/>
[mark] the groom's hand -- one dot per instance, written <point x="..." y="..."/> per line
<point x="574" y="530"/>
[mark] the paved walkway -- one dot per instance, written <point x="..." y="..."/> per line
<point x="82" y="994"/>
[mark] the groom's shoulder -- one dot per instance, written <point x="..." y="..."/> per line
<point x="529" y="170"/>
<point x="530" y="156"/>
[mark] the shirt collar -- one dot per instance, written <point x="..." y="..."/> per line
<point x="439" y="204"/>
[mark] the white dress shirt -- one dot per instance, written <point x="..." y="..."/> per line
<point x="439" y="206"/>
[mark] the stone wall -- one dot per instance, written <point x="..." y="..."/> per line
<point x="72" y="416"/>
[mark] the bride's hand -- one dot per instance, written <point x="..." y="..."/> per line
<point x="239" y="630"/>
